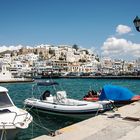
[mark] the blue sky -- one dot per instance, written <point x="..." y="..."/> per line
<point x="87" y="23"/>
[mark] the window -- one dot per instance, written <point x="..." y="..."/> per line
<point x="4" y="100"/>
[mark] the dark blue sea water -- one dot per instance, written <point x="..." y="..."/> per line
<point x="75" y="88"/>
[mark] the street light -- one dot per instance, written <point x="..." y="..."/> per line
<point x="136" y="22"/>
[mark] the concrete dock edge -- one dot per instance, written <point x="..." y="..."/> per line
<point x="123" y="124"/>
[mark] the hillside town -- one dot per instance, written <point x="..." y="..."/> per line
<point x="63" y="60"/>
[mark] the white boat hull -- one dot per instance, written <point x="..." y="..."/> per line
<point x="12" y="120"/>
<point x="74" y="108"/>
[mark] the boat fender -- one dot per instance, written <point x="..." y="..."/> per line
<point x="21" y="125"/>
<point x="55" y="133"/>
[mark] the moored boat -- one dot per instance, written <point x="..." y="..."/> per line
<point x="12" y="118"/>
<point x="120" y="95"/>
<point x="59" y="104"/>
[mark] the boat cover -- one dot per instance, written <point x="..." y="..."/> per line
<point x="47" y="83"/>
<point x="116" y="93"/>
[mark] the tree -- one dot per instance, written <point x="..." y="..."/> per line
<point x="86" y="51"/>
<point x="60" y="58"/>
<point x="82" y="60"/>
<point x="130" y="67"/>
<point x="96" y="57"/>
<point x="75" y="47"/>
<point x="41" y="55"/>
<point x="51" y="51"/>
<point x="35" y="51"/>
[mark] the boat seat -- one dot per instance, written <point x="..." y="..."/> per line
<point x="60" y="97"/>
<point x="45" y="95"/>
<point x="49" y="99"/>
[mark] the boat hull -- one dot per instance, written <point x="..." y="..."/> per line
<point x="16" y="80"/>
<point x="91" y="98"/>
<point x="116" y="103"/>
<point x="68" y="114"/>
<point x="83" y="110"/>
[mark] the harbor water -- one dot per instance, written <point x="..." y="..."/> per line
<point x="75" y="88"/>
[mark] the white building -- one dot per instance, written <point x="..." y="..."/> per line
<point x="106" y="65"/>
<point x="5" y="74"/>
<point x="7" y="58"/>
<point x="137" y="65"/>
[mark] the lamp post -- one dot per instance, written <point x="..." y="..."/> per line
<point x="136" y="22"/>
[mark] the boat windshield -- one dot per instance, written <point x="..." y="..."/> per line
<point x="4" y="100"/>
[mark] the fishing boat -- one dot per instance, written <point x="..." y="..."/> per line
<point x="60" y="104"/>
<point x="12" y="118"/>
<point x="120" y="95"/>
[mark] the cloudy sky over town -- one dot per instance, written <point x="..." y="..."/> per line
<point x="104" y="26"/>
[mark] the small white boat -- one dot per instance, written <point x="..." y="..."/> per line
<point x="12" y="118"/>
<point x="59" y="104"/>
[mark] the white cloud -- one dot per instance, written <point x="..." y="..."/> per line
<point x="120" y="48"/>
<point x="123" y="29"/>
<point x="5" y="48"/>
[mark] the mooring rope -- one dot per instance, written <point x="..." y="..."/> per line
<point x="3" y="135"/>
<point x="50" y="131"/>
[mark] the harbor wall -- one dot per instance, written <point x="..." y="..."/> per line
<point x="120" y="124"/>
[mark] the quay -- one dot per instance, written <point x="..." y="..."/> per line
<point x="122" y="124"/>
<point x="17" y="80"/>
<point x="103" y="77"/>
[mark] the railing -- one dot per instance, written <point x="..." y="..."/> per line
<point x="14" y="118"/>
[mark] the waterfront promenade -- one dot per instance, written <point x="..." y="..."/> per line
<point x="122" y="124"/>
